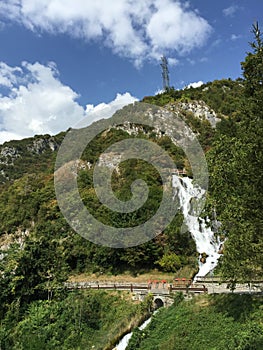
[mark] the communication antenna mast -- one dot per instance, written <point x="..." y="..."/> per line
<point x="165" y="73"/>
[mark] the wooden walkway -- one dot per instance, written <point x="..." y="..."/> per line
<point x="202" y="285"/>
<point x="160" y="288"/>
<point x="179" y="172"/>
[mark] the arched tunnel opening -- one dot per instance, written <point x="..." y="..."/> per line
<point x="158" y="303"/>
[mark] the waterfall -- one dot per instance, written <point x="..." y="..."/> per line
<point x="122" y="345"/>
<point x="205" y="239"/>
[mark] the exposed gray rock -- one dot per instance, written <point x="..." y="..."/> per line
<point x="41" y="145"/>
<point x="8" y="154"/>
<point x="199" y="109"/>
<point x="110" y="160"/>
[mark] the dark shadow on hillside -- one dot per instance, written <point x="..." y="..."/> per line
<point x="234" y="305"/>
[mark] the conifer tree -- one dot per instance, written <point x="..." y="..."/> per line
<point x="253" y="65"/>
<point x="236" y="176"/>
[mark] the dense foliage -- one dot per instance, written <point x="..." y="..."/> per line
<point x="217" y="322"/>
<point x="28" y="207"/>
<point x="223" y="96"/>
<point x="76" y="320"/>
<point x="236" y="175"/>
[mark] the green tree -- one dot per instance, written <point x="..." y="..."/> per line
<point x="34" y="271"/>
<point x="170" y="262"/>
<point x="253" y="65"/>
<point x="236" y="162"/>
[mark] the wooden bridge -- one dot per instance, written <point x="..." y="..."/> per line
<point x="155" y="288"/>
<point x="215" y="284"/>
<point x="179" y="172"/>
<point x="187" y="287"/>
<point x="162" y="291"/>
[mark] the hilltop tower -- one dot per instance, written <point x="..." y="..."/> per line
<point x="165" y="73"/>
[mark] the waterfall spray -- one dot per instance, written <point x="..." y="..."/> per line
<point x="207" y="244"/>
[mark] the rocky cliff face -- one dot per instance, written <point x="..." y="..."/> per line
<point x="176" y="118"/>
<point x="8" y="155"/>
<point x="10" y="151"/>
<point x="199" y="109"/>
<point x="19" y="156"/>
<point x="41" y="145"/>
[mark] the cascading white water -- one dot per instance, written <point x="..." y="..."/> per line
<point x="125" y="340"/>
<point x="205" y="239"/>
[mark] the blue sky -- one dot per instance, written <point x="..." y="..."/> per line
<point x="59" y="59"/>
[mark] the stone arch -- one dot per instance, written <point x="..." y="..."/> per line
<point x="158" y="302"/>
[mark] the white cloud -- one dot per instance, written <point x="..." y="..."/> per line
<point x="131" y="28"/>
<point x="191" y="61"/>
<point x="159" y="91"/>
<point x="235" y="37"/>
<point x="8" y="75"/>
<point x="173" y="26"/>
<point x="104" y="110"/>
<point x="7" y="136"/>
<point x="203" y="59"/>
<point x="36" y="102"/>
<point x="195" y="84"/>
<point x="230" y="11"/>
<point x="172" y="61"/>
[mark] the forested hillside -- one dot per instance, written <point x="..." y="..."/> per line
<point x="39" y="250"/>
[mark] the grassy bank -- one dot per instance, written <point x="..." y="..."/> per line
<point x="210" y="322"/>
<point x="78" y="320"/>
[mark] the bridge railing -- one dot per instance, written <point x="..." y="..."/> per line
<point x="165" y="288"/>
<point x="218" y="279"/>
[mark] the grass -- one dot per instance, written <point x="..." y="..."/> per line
<point x="79" y="320"/>
<point x="143" y="277"/>
<point x="211" y="322"/>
